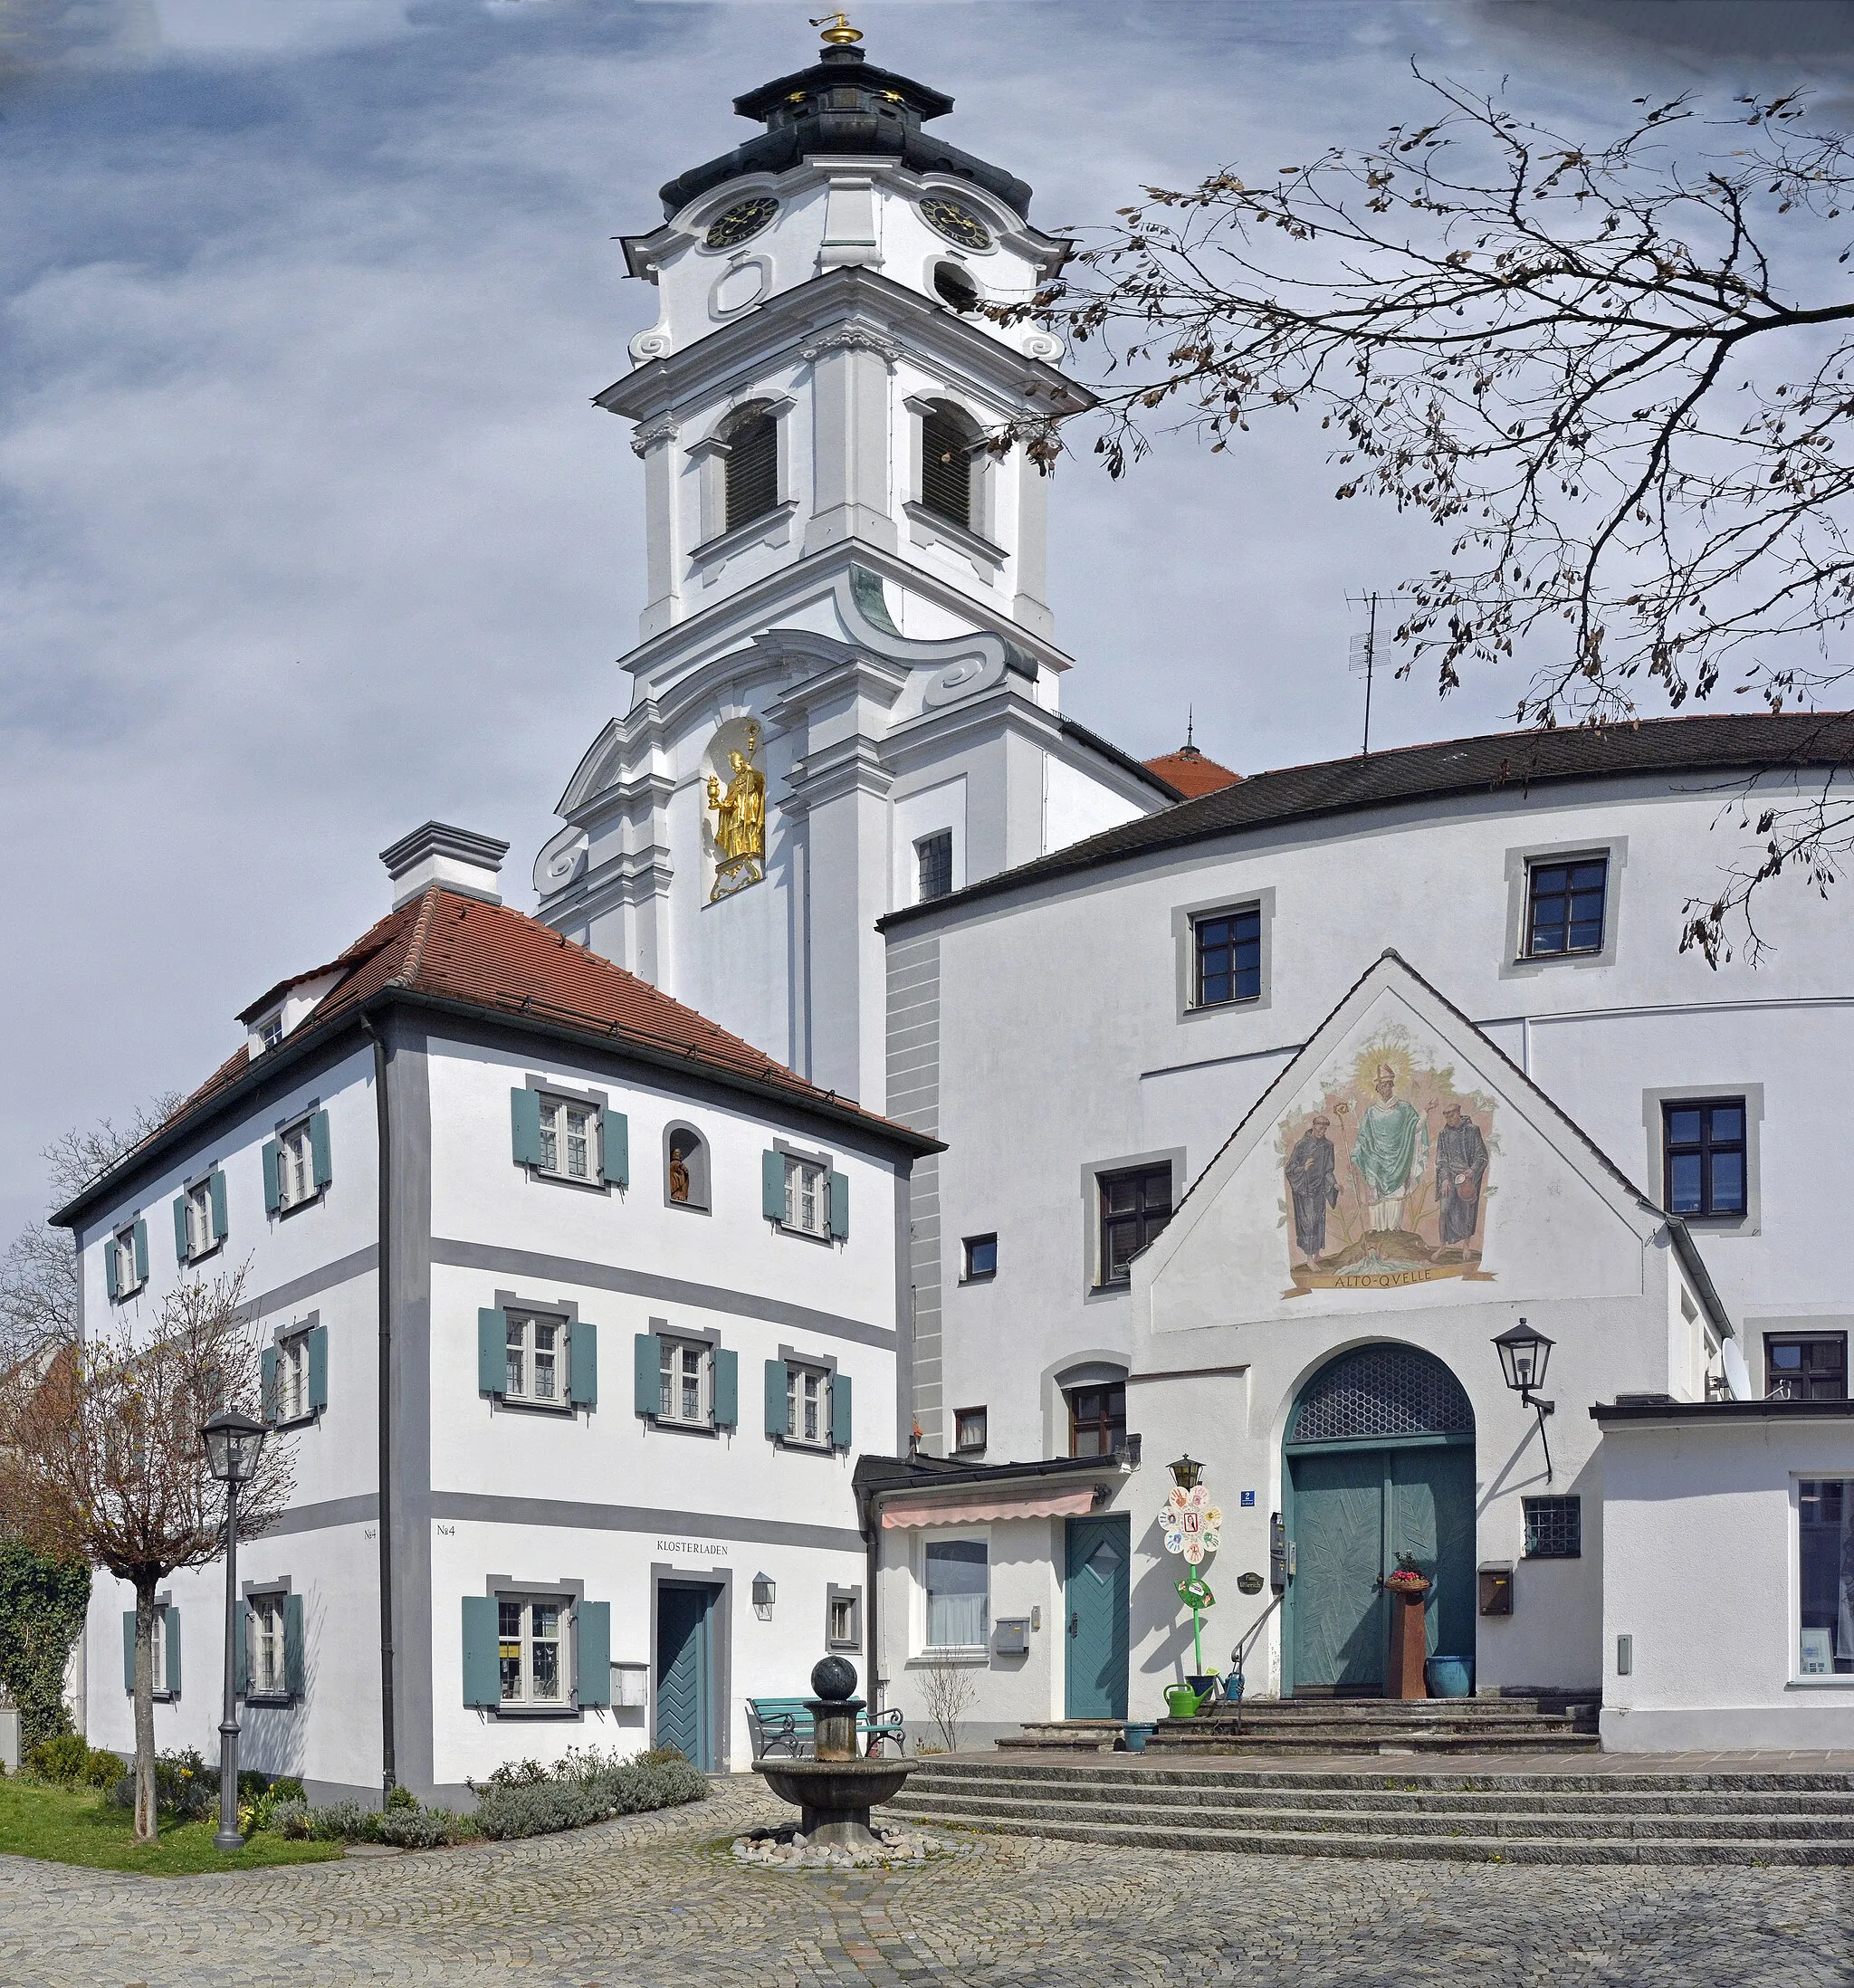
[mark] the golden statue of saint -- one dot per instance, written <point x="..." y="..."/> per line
<point x="739" y="827"/>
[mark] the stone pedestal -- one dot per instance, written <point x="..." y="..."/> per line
<point x="1405" y="1676"/>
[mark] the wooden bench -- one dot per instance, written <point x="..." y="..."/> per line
<point x="785" y="1724"/>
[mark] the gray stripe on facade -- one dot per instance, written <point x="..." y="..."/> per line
<point x="606" y="1277"/>
<point x="360" y="1510"/>
<point x="488" y="1510"/>
<point x="312" y="1282"/>
<point x="914" y="1097"/>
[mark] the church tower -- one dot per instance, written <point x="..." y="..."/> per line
<point x="845" y="692"/>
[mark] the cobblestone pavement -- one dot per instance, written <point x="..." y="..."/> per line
<point x="659" y="1901"/>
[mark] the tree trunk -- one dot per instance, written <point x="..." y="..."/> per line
<point x="147" y="1817"/>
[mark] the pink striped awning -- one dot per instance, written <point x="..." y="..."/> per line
<point x="1030" y="1505"/>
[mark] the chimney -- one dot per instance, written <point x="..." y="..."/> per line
<point x="459" y="861"/>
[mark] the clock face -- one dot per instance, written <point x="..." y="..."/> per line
<point x="740" y="223"/>
<point x="957" y="221"/>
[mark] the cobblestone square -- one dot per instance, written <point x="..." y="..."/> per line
<point x="660" y="1900"/>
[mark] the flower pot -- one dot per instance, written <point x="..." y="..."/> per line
<point x="1451" y="1677"/>
<point x="1181" y="1702"/>
<point x="1205" y="1687"/>
<point x="1138" y="1732"/>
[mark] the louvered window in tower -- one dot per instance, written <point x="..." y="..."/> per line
<point x="946" y="468"/>
<point x="753" y="469"/>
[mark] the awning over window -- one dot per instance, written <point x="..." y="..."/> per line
<point x="1028" y="1505"/>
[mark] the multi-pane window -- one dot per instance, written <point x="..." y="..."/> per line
<point x="269" y="1673"/>
<point x="1806" y="1366"/>
<point x="750" y="472"/>
<point x="295" y="1166"/>
<point x="529" y="1639"/>
<point x="199" y="1219"/>
<point x="271" y="1030"/>
<point x="293" y="1377"/>
<point x="684" y="1382"/>
<point x="536" y="1359"/>
<point x="933" y="865"/>
<point x="1554" y="1528"/>
<point x="1703" y="1156"/>
<point x="123" y="1246"/>
<point x="958" y="1574"/>
<point x="841" y="1629"/>
<point x="1229" y="950"/>
<point x="1825" y="1541"/>
<point x="808" y="1404"/>
<point x="969" y="1430"/>
<point x="568" y="1139"/>
<point x="1097" y="1419"/>
<point x="157" y="1653"/>
<point x="981" y="1256"/>
<point x="1565" y="907"/>
<point x="946" y="467"/>
<point x="1134" y="1207"/>
<point x="808" y="1196"/>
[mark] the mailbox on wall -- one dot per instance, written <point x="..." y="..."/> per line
<point x="1012" y="1636"/>
<point x="1496" y="1587"/>
<point x="1280" y="1554"/>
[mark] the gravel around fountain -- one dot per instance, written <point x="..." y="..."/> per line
<point x="788" y="1847"/>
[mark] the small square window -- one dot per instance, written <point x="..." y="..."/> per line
<point x="269" y="1670"/>
<point x="295" y="1166"/>
<point x="569" y="1139"/>
<point x="807" y="1406"/>
<point x="1135" y="1206"/>
<point x="1806" y="1366"/>
<point x="1228" y="957"/>
<point x="969" y="1430"/>
<point x="1565" y="901"/>
<point x="1554" y="1528"/>
<point x="293" y="1378"/>
<point x="934" y="866"/>
<point x="531" y="1635"/>
<point x="685" y="1385"/>
<point x="981" y="1258"/>
<point x="536" y="1359"/>
<point x="808" y="1196"/>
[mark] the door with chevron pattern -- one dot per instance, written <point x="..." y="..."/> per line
<point x="685" y="1670"/>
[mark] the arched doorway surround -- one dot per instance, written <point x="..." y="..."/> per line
<point x="1378" y="1462"/>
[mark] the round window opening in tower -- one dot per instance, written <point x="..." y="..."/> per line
<point x="953" y="286"/>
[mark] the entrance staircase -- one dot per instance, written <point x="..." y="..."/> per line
<point x="1548" y="1816"/>
<point x="1380" y="1726"/>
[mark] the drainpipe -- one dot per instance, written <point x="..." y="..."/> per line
<point x="389" y="1775"/>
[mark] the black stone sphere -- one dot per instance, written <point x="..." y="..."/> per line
<point x="833" y="1677"/>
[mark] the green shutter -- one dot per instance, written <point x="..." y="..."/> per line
<point x="524" y="1118"/>
<point x="482" y="1676"/>
<point x="492" y="1352"/>
<point x="774" y="1397"/>
<point x="141" y="1250"/>
<point x="582" y="1363"/>
<point x="593" y="1676"/>
<point x="110" y="1284"/>
<point x="180" y="1228"/>
<point x="772" y="1186"/>
<point x="267" y="1383"/>
<point x="840" y="1409"/>
<point x="319" y="1149"/>
<point x="292" y="1645"/>
<point x="840" y="1206"/>
<point x="727" y="1387"/>
<point x="615" y="1147"/>
<point x="220" y="1225"/>
<point x="647" y="1370"/>
<point x="171" y="1630"/>
<point x="129" y="1651"/>
<point x="318" y="1368"/>
<point x="241" y="1652"/>
<point x="273" y="1187"/>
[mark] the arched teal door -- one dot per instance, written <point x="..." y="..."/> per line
<point x="1379" y="1463"/>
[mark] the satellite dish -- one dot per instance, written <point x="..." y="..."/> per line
<point x="1738" y="1374"/>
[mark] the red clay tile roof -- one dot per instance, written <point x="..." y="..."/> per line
<point x="1192" y="772"/>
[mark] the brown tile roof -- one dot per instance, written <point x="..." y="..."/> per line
<point x="1191" y="771"/>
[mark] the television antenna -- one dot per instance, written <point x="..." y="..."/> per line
<point x="1362" y="658"/>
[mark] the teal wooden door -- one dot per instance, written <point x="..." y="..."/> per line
<point x="684" y="1671"/>
<point x="1431" y="1518"/>
<point x="1099" y="1559"/>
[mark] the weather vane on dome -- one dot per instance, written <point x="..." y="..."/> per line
<point x="837" y="30"/>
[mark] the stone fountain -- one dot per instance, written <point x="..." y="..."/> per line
<point x="835" y="1791"/>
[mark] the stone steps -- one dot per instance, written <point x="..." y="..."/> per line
<point x="1545" y="1817"/>
<point x="1373" y="1725"/>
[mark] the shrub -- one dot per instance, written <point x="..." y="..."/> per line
<point x="259" y="1813"/>
<point x="417" y="1829"/>
<point x="185" y="1787"/>
<point x="525" y="1799"/>
<point x="344" y="1823"/>
<point x="101" y="1768"/>
<point x="289" y="1819"/>
<point x="401" y="1798"/>
<point x="62" y="1758"/>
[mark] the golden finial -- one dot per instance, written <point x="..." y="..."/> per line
<point x="837" y="30"/>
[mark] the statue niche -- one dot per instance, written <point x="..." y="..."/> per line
<point x="739" y="829"/>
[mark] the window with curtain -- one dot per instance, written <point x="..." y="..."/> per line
<point x="959" y="1593"/>
<point x="530" y="1636"/>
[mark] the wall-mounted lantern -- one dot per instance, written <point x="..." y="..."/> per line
<point x="1186" y="1472"/>
<point x="1523" y="1355"/>
<point x="765" y="1593"/>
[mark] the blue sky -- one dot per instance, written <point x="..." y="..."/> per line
<point x="308" y="530"/>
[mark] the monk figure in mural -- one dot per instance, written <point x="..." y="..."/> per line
<point x="740" y="829"/>
<point x="1391" y="1152"/>
<point x="1312" y="1181"/>
<point x="1461" y="1170"/>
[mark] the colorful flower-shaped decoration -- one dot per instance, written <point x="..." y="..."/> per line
<point x="1193" y="1526"/>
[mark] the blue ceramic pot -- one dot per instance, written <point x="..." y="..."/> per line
<point x="1138" y="1732"/>
<point x="1451" y="1677"/>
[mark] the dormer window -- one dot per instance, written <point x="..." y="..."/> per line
<point x="750" y="468"/>
<point x="270" y="1030"/>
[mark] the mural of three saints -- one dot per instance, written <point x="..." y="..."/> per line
<point x="1386" y="1173"/>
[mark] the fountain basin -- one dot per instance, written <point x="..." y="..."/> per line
<point x="834" y="1797"/>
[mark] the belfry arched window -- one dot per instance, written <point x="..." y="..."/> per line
<point x="948" y="464"/>
<point x="751" y="467"/>
<point x="1383" y="1392"/>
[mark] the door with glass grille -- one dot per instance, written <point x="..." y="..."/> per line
<point x="1097" y="1590"/>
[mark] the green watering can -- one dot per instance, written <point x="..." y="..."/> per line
<point x="1182" y="1702"/>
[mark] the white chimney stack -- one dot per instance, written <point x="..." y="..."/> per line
<point x="453" y="858"/>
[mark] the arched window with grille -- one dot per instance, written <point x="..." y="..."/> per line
<point x="751" y="467"/>
<point x="948" y="467"/>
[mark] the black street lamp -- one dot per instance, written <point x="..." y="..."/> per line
<point x="1186" y="1472"/>
<point x="1523" y="1355"/>
<point x="232" y="1442"/>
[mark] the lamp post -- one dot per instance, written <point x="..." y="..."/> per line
<point x="1523" y="1355"/>
<point x="232" y="1442"/>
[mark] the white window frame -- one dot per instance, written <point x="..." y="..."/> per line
<point x="295" y="1165"/>
<point x="532" y="1326"/>
<point x="200" y="1238"/>
<point x="799" y="1377"/>
<point x="935" y="1537"/>
<point x="801" y="1173"/>
<point x="556" y="1139"/>
<point x="672" y="1374"/>
<point x="123" y="1244"/>
<point x="270" y="1030"/>
<point x="157" y="1653"/>
<point x="293" y="1378"/>
<point x="526" y="1640"/>
<point x="267" y="1652"/>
